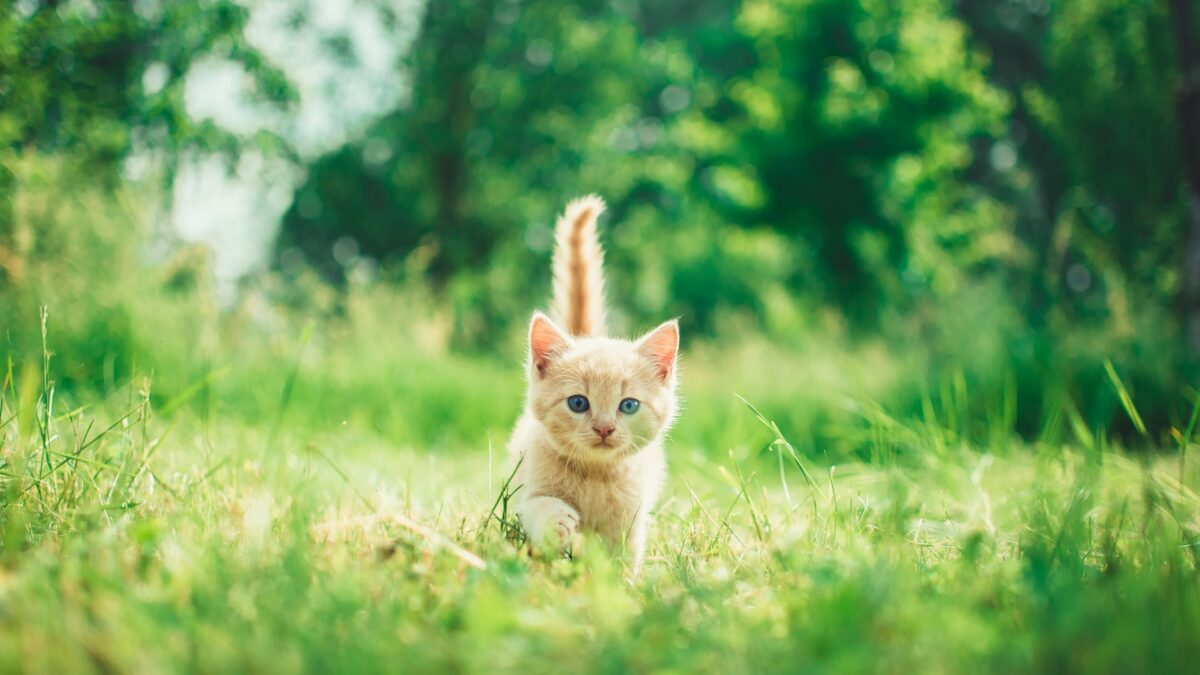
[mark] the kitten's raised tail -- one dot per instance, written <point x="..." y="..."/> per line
<point x="579" y="269"/>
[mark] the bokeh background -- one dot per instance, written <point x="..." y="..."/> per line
<point x="958" y="211"/>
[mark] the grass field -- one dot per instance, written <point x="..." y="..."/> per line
<point x="309" y="516"/>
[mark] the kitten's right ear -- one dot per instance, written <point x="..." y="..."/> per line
<point x="545" y="341"/>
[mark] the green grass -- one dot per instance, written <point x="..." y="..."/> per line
<point x="230" y="527"/>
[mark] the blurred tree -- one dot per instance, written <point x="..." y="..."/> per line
<point x="886" y="160"/>
<point x="1095" y="125"/>
<point x="540" y="103"/>
<point x="848" y="124"/>
<point x="1106" y="104"/>
<point x="978" y="173"/>
<point x="83" y="87"/>
<point x="854" y="127"/>
<point x="1099" y="186"/>
<point x="1187" y="106"/>
<point x="407" y="181"/>
<point x="97" y="81"/>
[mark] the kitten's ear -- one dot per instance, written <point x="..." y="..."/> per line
<point x="545" y="340"/>
<point x="661" y="346"/>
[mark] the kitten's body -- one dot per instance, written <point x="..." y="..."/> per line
<point x="600" y="468"/>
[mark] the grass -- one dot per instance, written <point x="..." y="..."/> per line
<point x="222" y="530"/>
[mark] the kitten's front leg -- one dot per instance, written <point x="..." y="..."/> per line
<point x="549" y="521"/>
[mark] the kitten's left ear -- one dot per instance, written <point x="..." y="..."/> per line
<point x="661" y="346"/>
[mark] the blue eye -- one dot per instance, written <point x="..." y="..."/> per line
<point x="577" y="403"/>
<point x="629" y="406"/>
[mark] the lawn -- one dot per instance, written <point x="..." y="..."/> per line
<point x="155" y="534"/>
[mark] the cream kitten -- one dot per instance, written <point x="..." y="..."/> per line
<point x="596" y="410"/>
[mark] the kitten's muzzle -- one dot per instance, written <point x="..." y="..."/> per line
<point x="603" y="430"/>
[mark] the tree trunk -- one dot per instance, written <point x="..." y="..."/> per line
<point x="455" y="38"/>
<point x="1187" y="109"/>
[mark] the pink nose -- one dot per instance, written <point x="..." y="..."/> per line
<point x="605" y="430"/>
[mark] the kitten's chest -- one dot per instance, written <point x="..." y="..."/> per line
<point x="609" y="507"/>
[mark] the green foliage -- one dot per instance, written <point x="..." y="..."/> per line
<point x="1102" y="202"/>
<point x="846" y="127"/>
<point x="501" y="128"/>
<point x="71" y="250"/>
<point x="852" y="131"/>
<point x="1107" y="97"/>
<point x="967" y="176"/>
<point x="837" y="173"/>
<point x="94" y="80"/>
<point x="82" y="87"/>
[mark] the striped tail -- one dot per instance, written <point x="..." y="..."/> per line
<point x="578" y="269"/>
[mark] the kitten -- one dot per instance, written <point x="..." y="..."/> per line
<point x="596" y="410"/>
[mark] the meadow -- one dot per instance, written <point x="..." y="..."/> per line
<point x="326" y="501"/>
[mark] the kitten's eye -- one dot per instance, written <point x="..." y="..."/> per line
<point x="577" y="403"/>
<point x="629" y="406"/>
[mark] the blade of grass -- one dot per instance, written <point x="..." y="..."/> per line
<point x="782" y="442"/>
<point x="290" y="383"/>
<point x="191" y="390"/>
<point x="503" y="498"/>
<point x="47" y="391"/>
<point x="1126" y="400"/>
<point x="1187" y="437"/>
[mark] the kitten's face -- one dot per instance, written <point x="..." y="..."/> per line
<point x="602" y="399"/>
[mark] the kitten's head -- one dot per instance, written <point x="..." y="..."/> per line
<point x="602" y="399"/>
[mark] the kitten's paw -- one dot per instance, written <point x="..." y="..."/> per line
<point x="566" y="525"/>
<point x="554" y="526"/>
